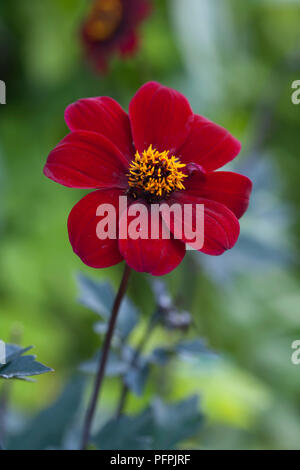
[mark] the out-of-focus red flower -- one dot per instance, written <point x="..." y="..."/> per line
<point x="112" y="26"/>
<point x="114" y="152"/>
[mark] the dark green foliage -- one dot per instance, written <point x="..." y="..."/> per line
<point x="49" y="428"/>
<point x="99" y="297"/>
<point x="161" y="426"/>
<point x="18" y="366"/>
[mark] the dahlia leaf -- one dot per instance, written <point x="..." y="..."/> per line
<point x="136" y="378"/>
<point x="161" y="426"/>
<point x="49" y="428"/>
<point x="18" y="366"/>
<point x="126" y="433"/>
<point x="174" y="423"/>
<point x="193" y="347"/>
<point x="99" y="297"/>
<point x="13" y="351"/>
<point x="114" y="367"/>
<point x="160" y="356"/>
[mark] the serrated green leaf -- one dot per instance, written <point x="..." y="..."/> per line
<point x="193" y="347"/>
<point x="160" y="356"/>
<point x="114" y="367"/>
<point x="18" y="366"/>
<point x="161" y="426"/>
<point x="136" y="378"/>
<point x="99" y="297"/>
<point x="126" y="433"/>
<point x="23" y="366"/>
<point x="48" y="428"/>
<point x="174" y="423"/>
<point x="13" y="351"/>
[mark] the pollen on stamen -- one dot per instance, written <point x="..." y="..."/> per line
<point x="155" y="174"/>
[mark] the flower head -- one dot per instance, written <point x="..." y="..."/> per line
<point x="111" y="26"/>
<point x="155" y="175"/>
<point x="161" y="153"/>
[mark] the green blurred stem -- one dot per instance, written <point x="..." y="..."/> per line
<point x="103" y="359"/>
<point x="141" y="346"/>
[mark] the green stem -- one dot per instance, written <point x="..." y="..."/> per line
<point x="103" y="359"/>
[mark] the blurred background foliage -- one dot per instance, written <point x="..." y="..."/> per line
<point x="235" y="61"/>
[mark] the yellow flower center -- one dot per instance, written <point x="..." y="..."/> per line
<point x="104" y="19"/>
<point x="155" y="175"/>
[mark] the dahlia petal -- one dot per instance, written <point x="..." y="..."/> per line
<point x="231" y="189"/>
<point x="84" y="159"/>
<point x="154" y="256"/>
<point x="141" y="10"/>
<point x="160" y="117"/>
<point x="221" y="227"/>
<point x="82" y="228"/>
<point x="104" y="116"/>
<point x="129" y="44"/>
<point x="209" y="145"/>
<point x="98" y="56"/>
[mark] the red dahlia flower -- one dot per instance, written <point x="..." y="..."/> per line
<point x="112" y="26"/>
<point x="115" y="153"/>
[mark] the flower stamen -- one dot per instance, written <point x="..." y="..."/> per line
<point x="155" y="175"/>
<point x="104" y="19"/>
